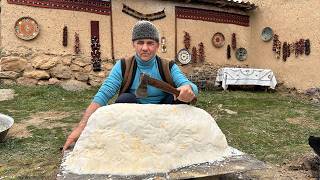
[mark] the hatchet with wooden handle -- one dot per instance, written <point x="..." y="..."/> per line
<point x="147" y="80"/>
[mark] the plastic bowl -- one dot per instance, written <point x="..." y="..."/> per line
<point x="6" y="123"/>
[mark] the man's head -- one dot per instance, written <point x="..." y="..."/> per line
<point x="145" y="38"/>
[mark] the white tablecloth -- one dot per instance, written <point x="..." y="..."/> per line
<point x="245" y="76"/>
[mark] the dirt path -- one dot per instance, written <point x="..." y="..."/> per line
<point x="49" y="119"/>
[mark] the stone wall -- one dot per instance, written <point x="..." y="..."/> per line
<point x="74" y="72"/>
<point x="28" y="66"/>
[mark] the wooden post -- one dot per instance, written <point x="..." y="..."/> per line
<point x="175" y="36"/>
<point x="111" y="30"/>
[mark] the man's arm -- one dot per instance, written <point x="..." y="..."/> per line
<point x="82" y="124"/>
<point x="188" y="90"/>
<point x="108" y="89"/>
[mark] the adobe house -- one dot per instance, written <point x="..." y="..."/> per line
<point x="39" y="44"/>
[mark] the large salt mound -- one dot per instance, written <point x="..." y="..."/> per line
<point x="135" y="139"/>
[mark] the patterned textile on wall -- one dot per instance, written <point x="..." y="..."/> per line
<point x="150" y="17"/>
<point x="211" y="15"/>
<point x="92" y="6"/>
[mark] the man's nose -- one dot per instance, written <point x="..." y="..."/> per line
<point x="144" y="46"/>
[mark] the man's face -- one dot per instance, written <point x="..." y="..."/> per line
<point x="146" y="48"/>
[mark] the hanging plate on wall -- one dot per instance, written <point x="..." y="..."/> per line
<point x="26" y="28"/>
<point x="266" y="34"/>
<point x="184" y="56"/>
<point x="218" y="40"/>
<point x="241" y="54"/>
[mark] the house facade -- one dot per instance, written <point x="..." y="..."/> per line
<point x="62" y="48"/>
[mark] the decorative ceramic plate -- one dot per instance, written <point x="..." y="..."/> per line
<point x="218" y="40"/>
<point x="26" y="28"/>
<point x="184" y="56"/>
<point x="241" y="54"/>
<point x="266" y="34"/>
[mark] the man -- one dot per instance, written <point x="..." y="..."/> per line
<point x="145" y="39"/>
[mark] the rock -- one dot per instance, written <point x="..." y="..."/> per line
<point x="5" y="52"/>
<point x="99" y="74"/>
<point x="75" y="67"/>
<point x="53" y="81"/>
<point x="96" y="78"/>
<point x="61" y="72"/>
<point x="107" y="66"/>
<point x="45" y="62"/>
<point x="37" y="74"/>
<point x="73" y="85"/>
<point x="9" y="75"/>
<point x="15" y="64"/>
<point x="23" y="51"/>
<point x="81" y="76"/>
<point x="27" y="81"/>
<point x="6" y="94"/>
<point x="43" y="82"/>
<point x="29" y="67"/>
<point x="66" y="60"/>
<point x="7" y="82"/>
<point x="87" y="68"/>
<point x="228" y="111"/>
<point x="81" y="61"/>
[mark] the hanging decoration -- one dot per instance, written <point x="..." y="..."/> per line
<point x="307" y="47"/>
<point x="201" y="53"/>
<point x="234" y="41"/>
<point x="26" y="28"/>
<point x="183" y="56"/>
<point x="65" y="36"/>
<point x="163" y="45"/>
<point x="241" y="54"/>
<point x="186" y="40"/>
<point x="91" y="6"/>
<point x="150" y="17"/>
<point x="211" y="16"/>
<point x="276" y="47"/>
<point x="76" y="43"/>
<point x="299" y="47"/>
<point x="228" y="51"/>
<point x="95" y="54"/>
<point x="266" y="34"/>
<point x="285" y="51"/>
<point x="194" y="54"/>
<point x="218" y="40"/>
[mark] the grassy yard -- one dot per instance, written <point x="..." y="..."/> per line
<point x="273" y="127"/>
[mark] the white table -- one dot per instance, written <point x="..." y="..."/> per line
<point x="245" y="76"/>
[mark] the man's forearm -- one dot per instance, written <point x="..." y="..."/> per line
<point x="91" y="109"/>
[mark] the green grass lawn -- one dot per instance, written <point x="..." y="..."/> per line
<point x="271" y="126"/>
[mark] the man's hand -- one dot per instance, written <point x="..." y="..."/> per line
<point x="75" y="134"/>
<point x="186" y="93"/>
<point x="73" y="137"/>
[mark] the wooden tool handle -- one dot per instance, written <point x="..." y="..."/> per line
<point x="166" y="87"/>
<point x="163" y="86"/>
